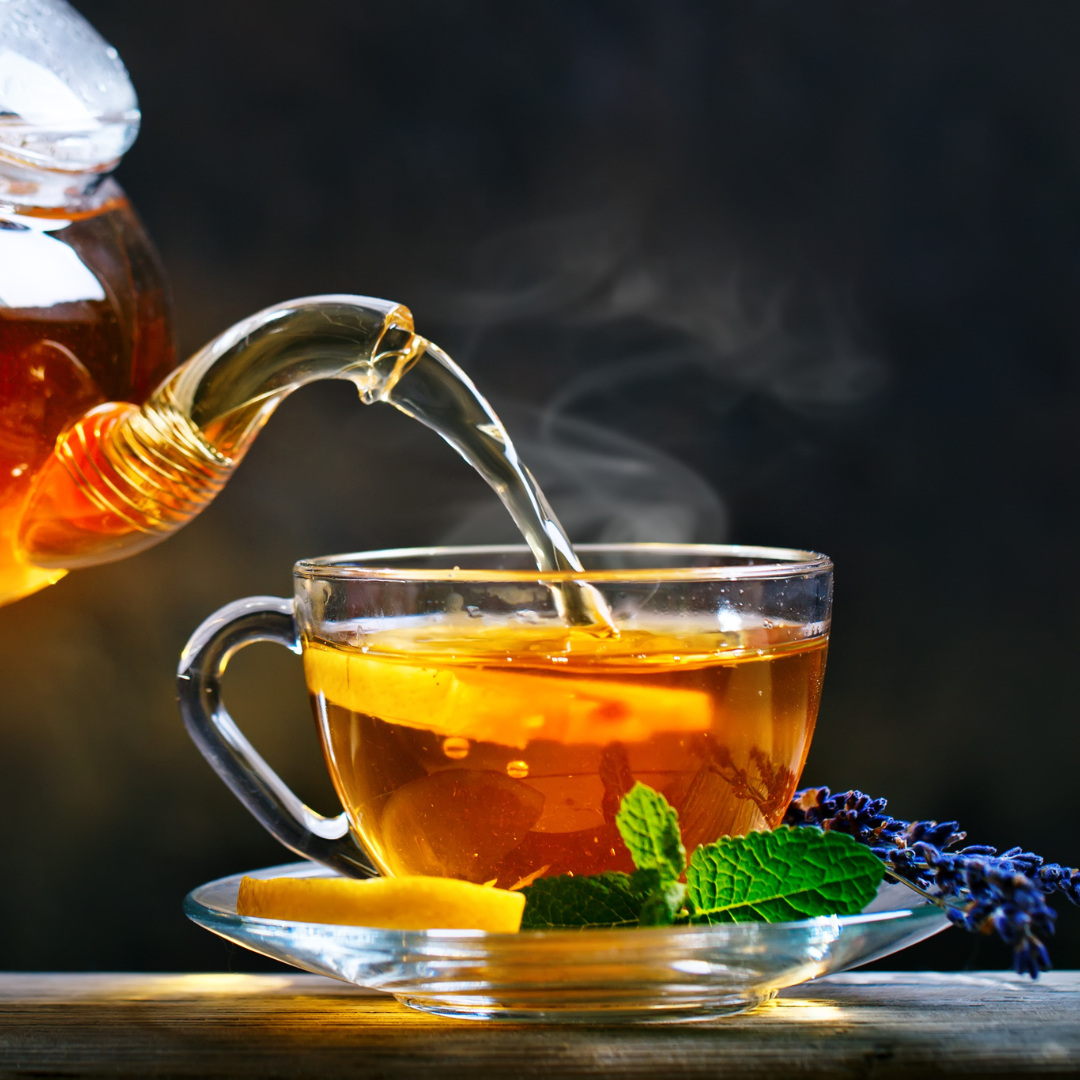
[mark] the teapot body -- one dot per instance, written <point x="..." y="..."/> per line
<point x="84" y="319"/>
<point x="84" y="312"/>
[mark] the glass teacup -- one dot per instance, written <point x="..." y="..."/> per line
<point x="470" y="733"/>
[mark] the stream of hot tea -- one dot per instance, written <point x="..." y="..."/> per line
<point x="122" y="477"/>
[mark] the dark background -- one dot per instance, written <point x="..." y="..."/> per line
<point x="813" y="266"/>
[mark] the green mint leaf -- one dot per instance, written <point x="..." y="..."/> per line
<point x="649" y="826"/>
<point x="588" y="902"/>
<point x="782" y="875"/>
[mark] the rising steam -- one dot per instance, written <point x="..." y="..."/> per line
<point x="605" y="487"/>
<point x="650" y="306"/>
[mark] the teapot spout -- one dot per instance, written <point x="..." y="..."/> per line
<point x="125" y="477"/>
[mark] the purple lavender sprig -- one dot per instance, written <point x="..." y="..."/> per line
<point x="981" y="890"/>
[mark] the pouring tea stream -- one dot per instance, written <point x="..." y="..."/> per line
<point x="95" y="463"/>
<point x="123" y="477"/>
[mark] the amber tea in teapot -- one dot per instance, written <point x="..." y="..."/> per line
<point x="84" y="320"/>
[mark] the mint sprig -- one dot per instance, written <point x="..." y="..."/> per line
<point x="763" y="877"/>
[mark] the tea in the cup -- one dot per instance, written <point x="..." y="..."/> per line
<point x="500" y="753"/>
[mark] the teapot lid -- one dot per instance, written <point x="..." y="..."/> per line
<point x="66" y="102"/>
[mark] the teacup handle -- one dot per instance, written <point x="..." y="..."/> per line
<point x="234" y="759"/>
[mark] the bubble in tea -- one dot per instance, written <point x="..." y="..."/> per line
<point x="455" y="748"/>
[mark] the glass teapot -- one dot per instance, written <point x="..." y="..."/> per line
<point x="105" y="446"/>
<point x="84" y="312"/>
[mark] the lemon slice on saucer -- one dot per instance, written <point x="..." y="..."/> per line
<point x="405" y="903"/>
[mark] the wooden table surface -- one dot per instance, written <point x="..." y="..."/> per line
<point x="856" y="1025"/>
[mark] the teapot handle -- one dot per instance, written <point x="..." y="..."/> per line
<point x="327" y="840"/>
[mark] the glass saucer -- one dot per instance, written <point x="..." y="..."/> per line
<point x="662" y="974"/>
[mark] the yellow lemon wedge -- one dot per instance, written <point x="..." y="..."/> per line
<point x="506" y="707"/>
<point x="405" y="903"/>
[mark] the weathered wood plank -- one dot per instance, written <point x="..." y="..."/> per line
<point x="289" y="1026"/>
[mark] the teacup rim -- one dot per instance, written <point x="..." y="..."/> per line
<point x="777" y="563"/>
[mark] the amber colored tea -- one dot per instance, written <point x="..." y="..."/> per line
<point x="90" y="323"/>
<point x="502" y="755"/>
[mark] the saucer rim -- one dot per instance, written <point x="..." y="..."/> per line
<point x="194" y="904"/>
